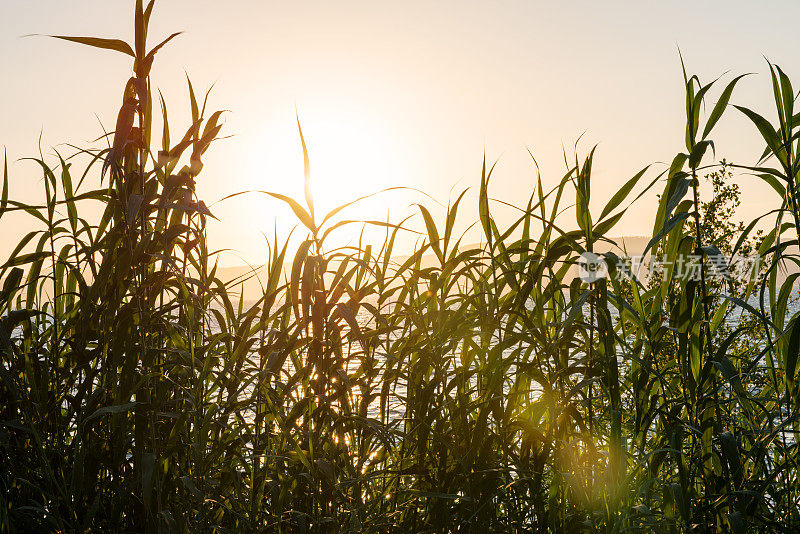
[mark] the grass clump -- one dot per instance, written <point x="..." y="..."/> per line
<point x="456" y="389"/>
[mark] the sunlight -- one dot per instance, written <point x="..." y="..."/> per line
<point x="350" y="157"/>
<point x="348" y="161"/>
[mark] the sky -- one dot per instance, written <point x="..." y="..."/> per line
<point x="410" y="94"/>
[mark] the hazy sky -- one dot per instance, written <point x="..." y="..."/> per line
<point x="401" y="93"/>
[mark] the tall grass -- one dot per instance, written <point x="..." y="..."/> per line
<point x="455" y="389"/>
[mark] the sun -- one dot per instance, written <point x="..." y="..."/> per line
<point x="350" y="156"/>
<point x="348" y="161"/>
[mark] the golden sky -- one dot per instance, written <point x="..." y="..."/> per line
<point x="397" y="94"/>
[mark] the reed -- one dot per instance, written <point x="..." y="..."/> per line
<point x="455" y="389"/>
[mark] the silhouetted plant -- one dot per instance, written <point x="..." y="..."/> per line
<point x="459" y="388"/>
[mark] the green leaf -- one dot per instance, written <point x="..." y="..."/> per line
<point x="4" y="195"/>
<point x="718" y="259"/>
<point x="298" y="210"/>
<point x="306" y="170"/>
<point x="165" y="131"/>
<point x="148" y="464"/>
<point x="69" y="200"/>
<point x="337" y="209"/>
<point x="132" y="208"/>
<point x="697" y="153"/>
<point x="98" y="42"/>
<point x="148" y="11"/>
<point x="787" y="95"/>
<point x="601" y="228"/>
<point x="774" y="183"/>
<point x="117" y="408"/>
<point x="667" y="228"/>
<point x="725" y="366"/>
<point x="22" y="259"/>
<point x="15" y="317"/>
<point x="765" y="128"/>
<point x="10" y="285"/>
<point x="193" y="104"/>
<point x="187" y="481"/>
<point x="140" y="30"/>
<point x="792" y="351"/>
<point x="297" y="267"/>
<point x="151" y="54"/>
<point x="682" y="183"/>
<point x="697" y="104"/>
<point x="720" y="106"/>
<point x="483" y="203"/>
<point x="344" y="310"/>
<point x="451" y="218"/>
<point x="433" y="233"/>
<point x="622" y="193"/>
